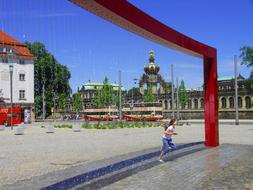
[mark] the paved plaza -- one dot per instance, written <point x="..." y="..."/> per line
<point x="37" y="156"/>
<point x="226" y="167"/>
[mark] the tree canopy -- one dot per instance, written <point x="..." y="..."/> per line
<point x="149" y="96"/>
<point x="167" y="87"/>
<point x="182" y="93"/>
<point x="77" y="102"/>
<point x="135" y="91"/>
<point x="50" y="73"/>
<point x="247" y="58"/>
<point x="104" y="95"/>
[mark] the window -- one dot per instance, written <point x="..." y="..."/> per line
<point x="6" y="49"/>
<point x="5" y="60"/>
<point x="22" y="95"/>
<point x="196" y="104"/>
<point x="21" y="61"/>
<point x="189" y="104"/>
<point x="1" y="93"/>
<point x="166" y="104"/>
<point x="248" y="102"/>
<point x="202" y="103"/>
<point x="22" y="77"/>
<point x="4" y="75"/>
<point x="223" y="102"/>
<point x="239" y="102"/>
<point x="231" y="102"/>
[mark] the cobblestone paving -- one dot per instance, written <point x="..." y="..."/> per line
<point x="226" y="167"/>
<point x="236" y="175"/>
<point x="37" y="153"/>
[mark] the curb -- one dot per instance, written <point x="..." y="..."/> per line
<point x="88" y="176"/>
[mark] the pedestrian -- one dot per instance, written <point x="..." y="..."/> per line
<point x="169" y="130"/>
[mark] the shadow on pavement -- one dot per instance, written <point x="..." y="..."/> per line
<point x="99" y="183"/>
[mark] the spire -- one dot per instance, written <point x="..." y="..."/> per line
<point x="151" y="68"/>
<point x="151" y="57"/>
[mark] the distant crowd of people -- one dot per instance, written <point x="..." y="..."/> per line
<point x="68" y="117"/>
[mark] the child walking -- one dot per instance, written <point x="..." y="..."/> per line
<point x="169" y="130"/>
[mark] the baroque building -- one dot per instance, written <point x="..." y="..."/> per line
<point x="195" y="105"/>
<point x="151" y="78"/>
<point x="16" y="55"/>
<point x="89" y="90"/>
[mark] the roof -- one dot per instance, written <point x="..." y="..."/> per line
<point x="240" y="77"/>
<point x="92" y="85"/>
<point x="225" y="78"/>
<point x="21" y="49"/>
<point x="194" y="89"/>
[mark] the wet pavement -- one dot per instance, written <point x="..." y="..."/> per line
<point x="225" y="167"/>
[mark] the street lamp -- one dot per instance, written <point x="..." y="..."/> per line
<point x="133" y="91"/>
<point x="54" y="104"/>
<point x="11" y="73"/>
<point x="135" y="80"/>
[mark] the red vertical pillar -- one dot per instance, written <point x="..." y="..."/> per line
<point x="211" y="101"/>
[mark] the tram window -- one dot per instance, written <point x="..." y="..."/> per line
<point x="13" y="115"/>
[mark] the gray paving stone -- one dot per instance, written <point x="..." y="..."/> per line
<point x="38" y="154"/>
<point x="226" y="167"/>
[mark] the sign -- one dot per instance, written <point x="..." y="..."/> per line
<point x="27" y="116"/>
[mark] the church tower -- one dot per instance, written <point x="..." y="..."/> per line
<point x="151" y="77"/>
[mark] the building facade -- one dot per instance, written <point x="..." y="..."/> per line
<point x="194" y="108"/>
<point x="16" y="55"/>
<point x="151" y="78"/>
<point x="89" y="90"/>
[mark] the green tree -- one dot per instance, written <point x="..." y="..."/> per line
<point x="149" y="97"/>
<point x="247" y="59"/>
<point x="37" y="105"/>
<point x="247" y="56"/>
<point x="134" y="91"/>
<point x="167" y="87"/>
<point x="116" y="98"/>
<point x="62" y="100"/>
<point x="77" y="102"/>
<point x="104" y="95"/>
<point x="248" y="86"/>
<point x="251" y="75"/>
<point x="50" y="73"/>
<point x="182" y="93"/>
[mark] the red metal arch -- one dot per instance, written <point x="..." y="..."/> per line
<point x="127" y="16"/>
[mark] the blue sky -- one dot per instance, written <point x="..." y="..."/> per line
<point x="93" y="48"/>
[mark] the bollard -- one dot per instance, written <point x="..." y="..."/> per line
<point x="49" y="129"/>
<point x="20" y="130"/>
<point x="76" y="128"/>
<point x="2" y="127"/>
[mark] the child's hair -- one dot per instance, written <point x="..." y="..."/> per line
<point x="165" y="126"/>
<point x="172" y="121"/>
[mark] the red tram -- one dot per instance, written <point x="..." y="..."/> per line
<point x="5" y="116"/>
